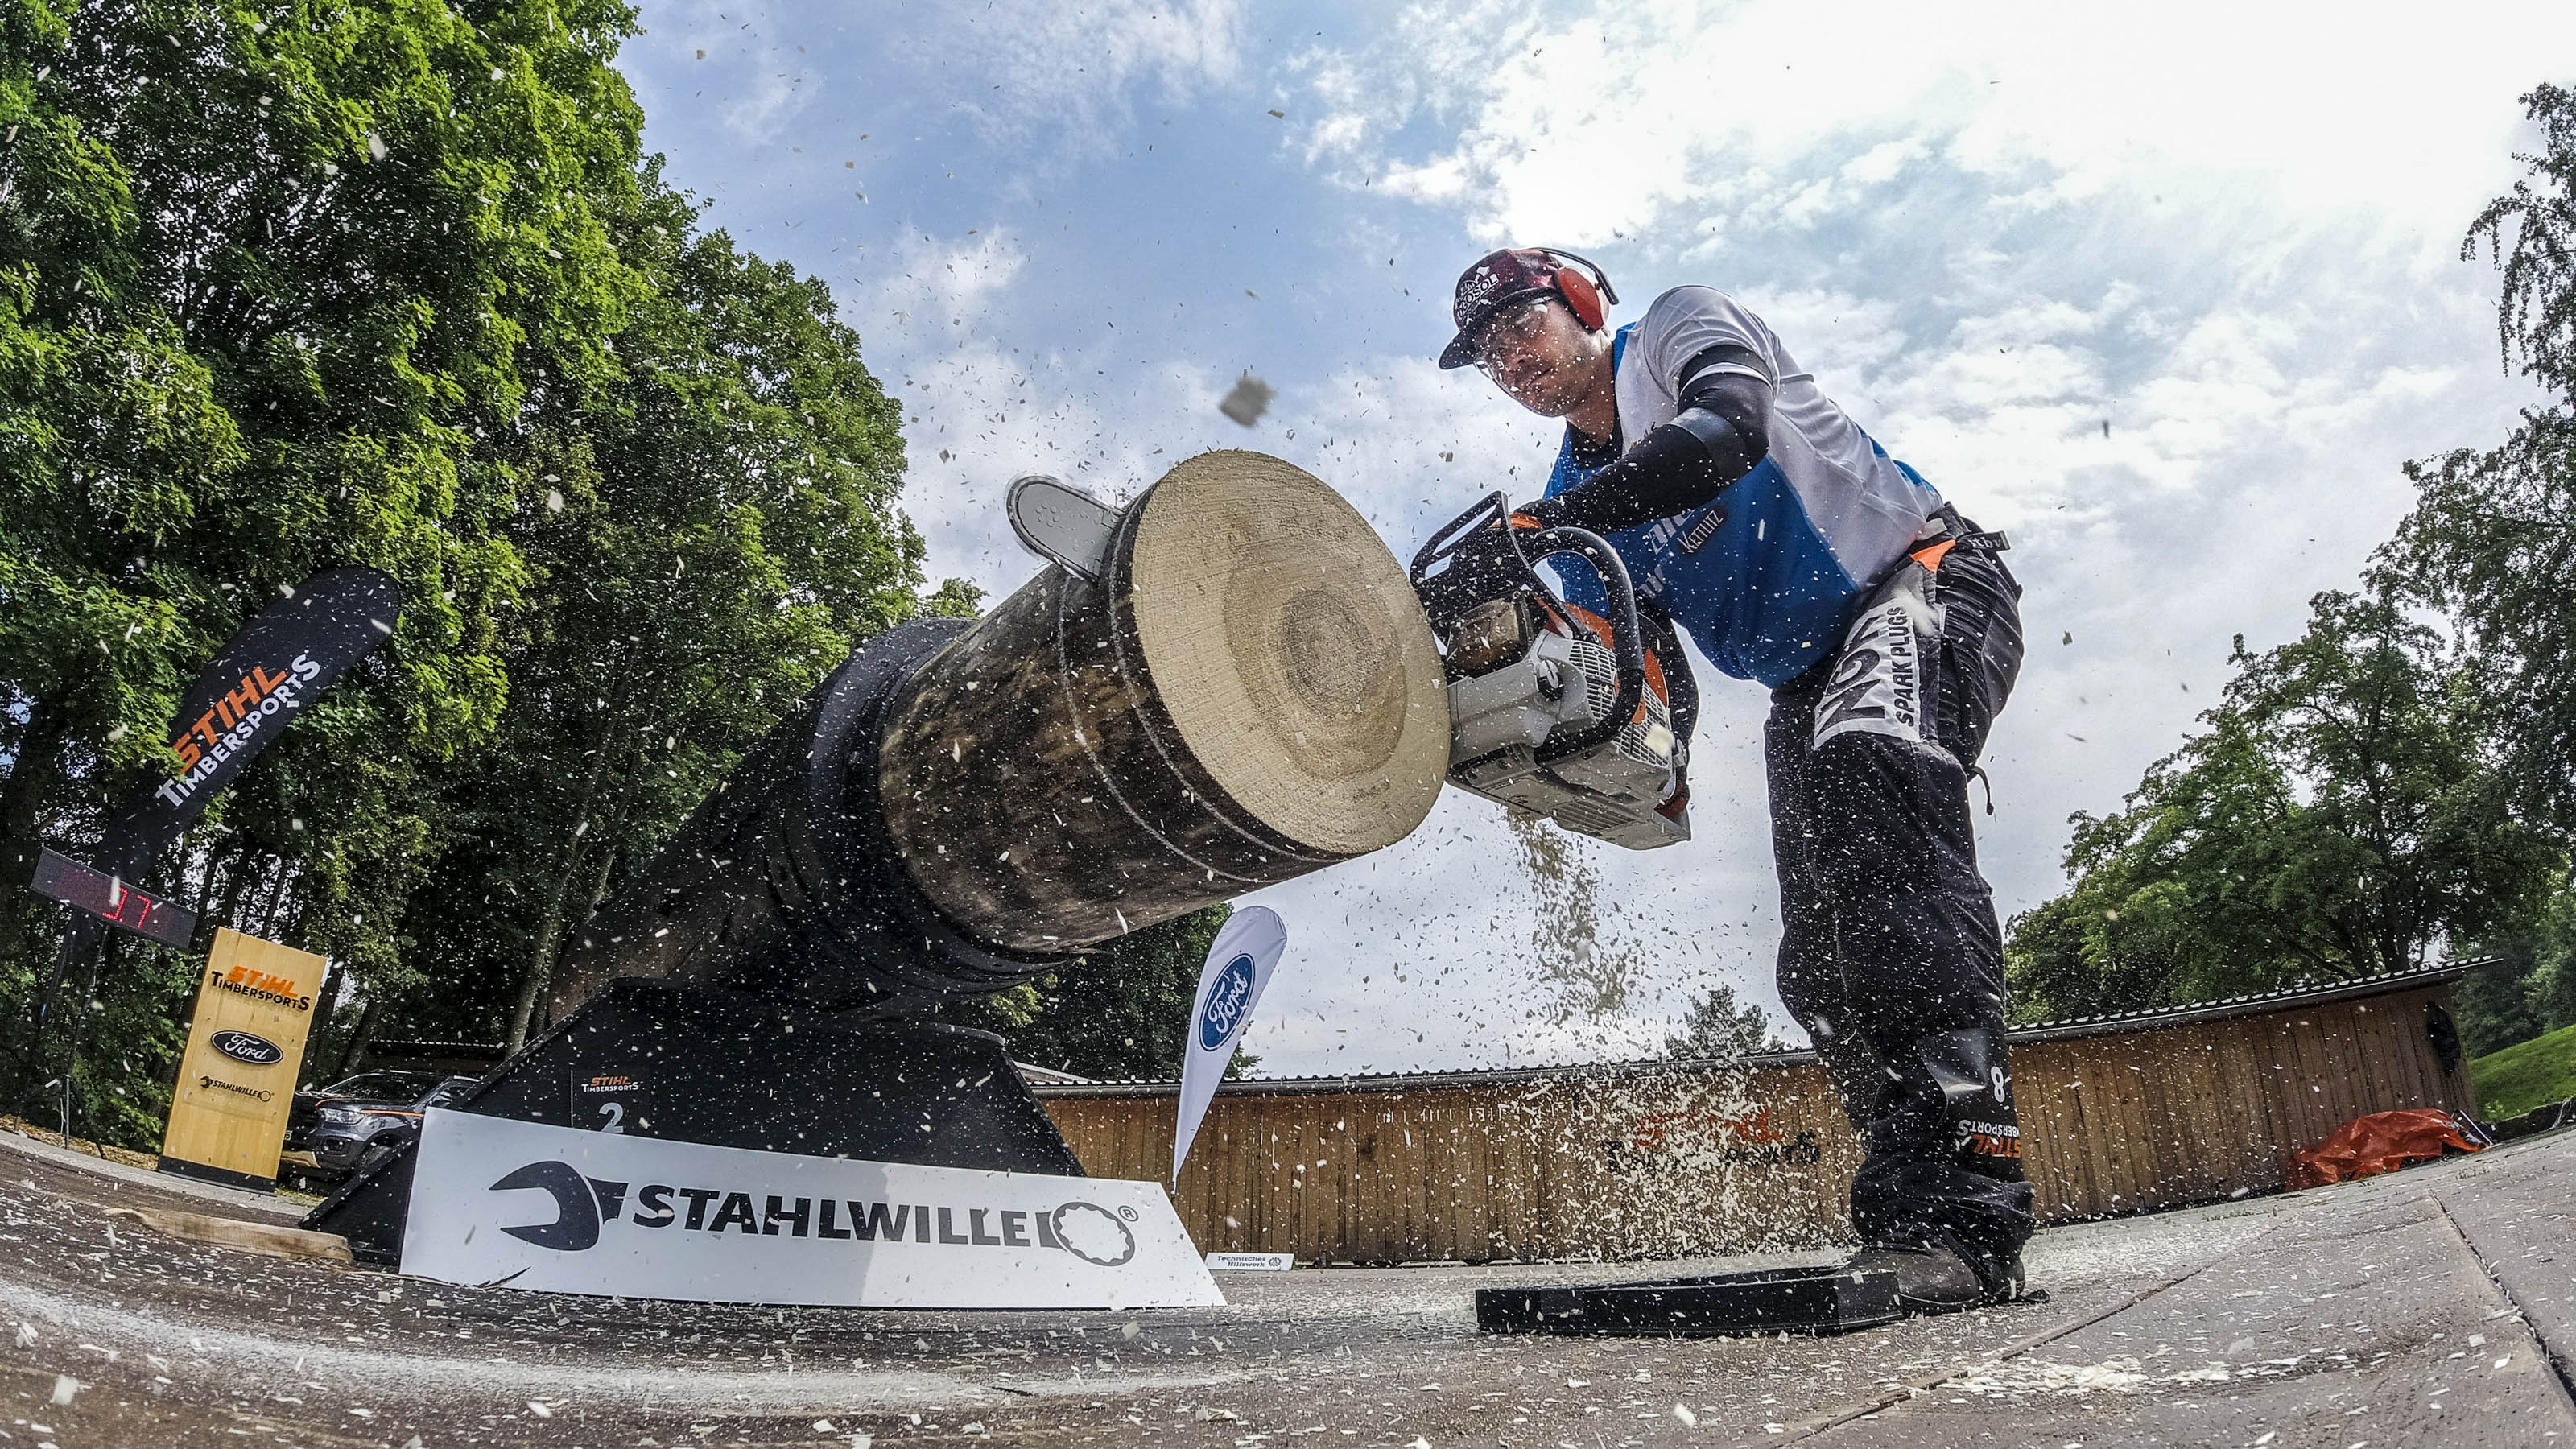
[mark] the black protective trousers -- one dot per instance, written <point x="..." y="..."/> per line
<point x="1890" y="955"/>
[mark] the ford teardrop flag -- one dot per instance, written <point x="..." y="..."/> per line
<point x="1238" y="966"/>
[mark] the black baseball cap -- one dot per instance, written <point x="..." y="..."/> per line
<point x="1498" y="280"/>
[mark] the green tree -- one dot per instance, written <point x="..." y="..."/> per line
<point x="2492" y="541"/>
<point x="2338" y="819"/>
<point x="2531" y="989"/>
<point x="719" y="532"/>
<point x="1121" y="1013"/>
<point x="266" y="279"/>
<point x="2492" y="538"/>
<point x="389" y="282"/>
<point x="1715" y="1028"/>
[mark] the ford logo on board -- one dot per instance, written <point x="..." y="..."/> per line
<point x="242" y="1046"/>
<point x="1227" y="997"/>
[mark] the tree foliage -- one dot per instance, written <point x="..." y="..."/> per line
<point x="713" y="542"/>
<point x="2339" y="818"/>
<point x="2530" y="990"/>
<point x="2492" y="538"/>
<point x="1715" y="1028"/>
<point x="390" y="282"/>
<point x="1123" y="1013"/>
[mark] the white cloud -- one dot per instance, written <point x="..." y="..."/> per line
<point x="978" y="409"/>
<point x="1609" y="121"/>
<point x="1070" y="72"/>
<point x="988" y="397"/>
<point x="762" y="81"/>
<point x="925" y="280"/>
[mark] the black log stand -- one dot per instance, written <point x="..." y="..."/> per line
<point x="758" y="985"/>
<point x="786" y="882"/>
<point x="1247" y="693"/>
<point x="703" y="1064"/>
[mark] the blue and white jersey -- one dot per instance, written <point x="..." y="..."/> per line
<point x="1765" y="578"/>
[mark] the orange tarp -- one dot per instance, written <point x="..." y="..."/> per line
<point x="2380" y="1142"/>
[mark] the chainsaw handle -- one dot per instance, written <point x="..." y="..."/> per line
<point x="1468" y="578"/>
<point x="1494" y="510"/>
<point x="1478" y="560"/>
<point x="1627" y="635"/>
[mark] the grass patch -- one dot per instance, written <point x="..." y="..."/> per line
<point x="2523" y="1076"/>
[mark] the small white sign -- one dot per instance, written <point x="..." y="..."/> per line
<point x="1252" y="1262"/>
<point x="564" y="1211"/>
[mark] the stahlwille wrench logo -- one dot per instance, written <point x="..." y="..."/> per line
<point x="584" y="1205"/>
<point x="581" y="1205"/>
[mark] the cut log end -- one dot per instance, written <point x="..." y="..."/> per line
<point x="1289" y="651"/>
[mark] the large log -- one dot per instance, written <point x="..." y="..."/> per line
<point x="1248" y="692"/>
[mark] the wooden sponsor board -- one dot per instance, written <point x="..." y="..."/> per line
<point x="245" y="1048"/>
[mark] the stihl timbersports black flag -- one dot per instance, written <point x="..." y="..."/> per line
<point x="248" y="693"/>
<point x="288" y="653"/>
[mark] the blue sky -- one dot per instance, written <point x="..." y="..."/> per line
<point x="2228" y="232"/>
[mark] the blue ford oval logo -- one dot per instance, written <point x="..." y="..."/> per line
<point x="1228" y="999"/>
<point x="242" y="1046"/>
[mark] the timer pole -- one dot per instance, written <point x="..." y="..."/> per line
<point x="84" y="934"/>
<point x="76" y="937"/>
<point x="79" y="1032"/>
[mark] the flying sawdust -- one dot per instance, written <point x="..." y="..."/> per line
<point x="1588" y="977"/>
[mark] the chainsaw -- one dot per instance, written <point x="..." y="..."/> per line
<point x="1554" y="709"/>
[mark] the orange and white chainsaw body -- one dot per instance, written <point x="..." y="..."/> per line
<point x="1542" y="675"/>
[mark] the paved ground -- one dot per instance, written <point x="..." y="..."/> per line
<point x="121" y="1184"/>
<point x="2433" y="1307"/>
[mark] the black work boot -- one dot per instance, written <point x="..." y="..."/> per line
<point x="1935" y="1276"/>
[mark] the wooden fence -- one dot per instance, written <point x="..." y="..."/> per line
<point x="1675" y="1159"/>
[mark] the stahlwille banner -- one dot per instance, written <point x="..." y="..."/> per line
<point x="615" y="1214"/>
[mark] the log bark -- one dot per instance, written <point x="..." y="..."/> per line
<point x="1249" y="692"/>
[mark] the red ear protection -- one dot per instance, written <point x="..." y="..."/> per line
<point x="1582" y="296"/>
<point x="1584" y="286"/>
